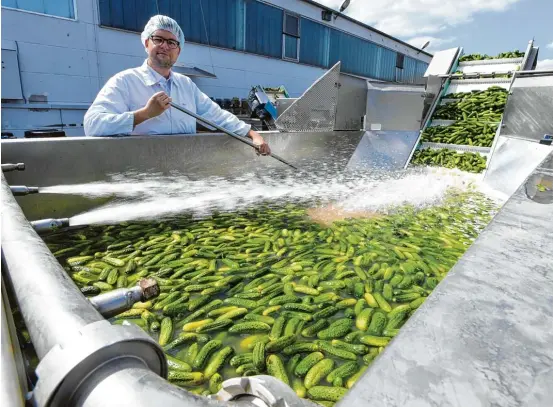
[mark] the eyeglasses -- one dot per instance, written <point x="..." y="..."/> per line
<point x="172" y="44"/>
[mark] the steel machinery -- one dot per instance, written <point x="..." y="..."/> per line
<point x="483" y="337"/>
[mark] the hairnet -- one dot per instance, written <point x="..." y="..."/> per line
<point x="160" y="22"/>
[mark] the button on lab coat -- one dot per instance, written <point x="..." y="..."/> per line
<point x="111" y="112"/>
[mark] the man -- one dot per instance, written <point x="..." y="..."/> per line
<point x="137" y="101"/>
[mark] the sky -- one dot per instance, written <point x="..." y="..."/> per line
<point x="479" y="26"/>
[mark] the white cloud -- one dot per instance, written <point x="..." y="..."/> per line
<point x="550" y="45"/>
<point x="545" y="64"/>
<point x="436" y="44"/>
<point x="412" y="18"/>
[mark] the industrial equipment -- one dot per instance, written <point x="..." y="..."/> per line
<point x="263" y="102"/>
<point x="492" y="302"/>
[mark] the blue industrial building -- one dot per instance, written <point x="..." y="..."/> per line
<point x="57" y="54"/>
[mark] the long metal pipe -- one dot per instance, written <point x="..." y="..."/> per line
<point x="227" y="132"/>
<point x="48" y="300"/>
<point x="11" y="389"/>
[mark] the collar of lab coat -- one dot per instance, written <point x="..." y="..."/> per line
<point x="151" y="77"/>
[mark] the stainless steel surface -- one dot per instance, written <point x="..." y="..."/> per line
<point x="12" y="390"/>
<point x="262" y="390"/>
<point x="530" y="57"/>
<point x="49" y="225"/>
<point x="13" y="167"/>
<point x="75" y="363"/>
<point x="352" y="102"/>
<point x="227" y="132"/>
<point x="315" y="110"/>
<point x="21" y="190"/>
<point x="196" y="156"/>
<point x="458" y="147"/>
<point x="282" y="104"/>
<point x="130" y="385"/>
<point x="384" y="150"/>
<point x="392" y="107"/>
<point x="442" y="62"/>
<point x="511" y="162"/>
<point x="484" y="337"/>
<point x="528" y="113"/>
<point x="114" y="302"/>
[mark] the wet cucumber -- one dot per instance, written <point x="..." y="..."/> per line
<point x="292" y="326"/>
<point x="275" y="368"/>
<point x="176" y="364"/>
<point x="350" y="347"/>
<point x="378" y="323"/>
<point x="241" y="359"/>
<point x="214" y="326"/>
<point x="326" y="393"/>
<point x="278" y="328"/>
<point x="249" y="327"/>
<point x="320" y="370"/>
<point x="205" y="352"/>
<point x="374" y="340"/>
<point x="217" y="361"/>
<point x="300" y="348"/>
<point x="327" y="348"/>
<point x="363" y="319"/>
<point x="260" y="318"/>
<point x="185" y="338"/>
<point x="215" y="383"/>
<point x="258" y="356"/>
<point x="337" y="329"/>
<point x="279" y="344"/>
<point x="343" y="371"/>
<point x="307" y="363"/>
<point x="166" y="331"/>
<point x="186" y="378"/>
<point x="313" y="329"/>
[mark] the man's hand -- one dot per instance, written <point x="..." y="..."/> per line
<point x="258" y="140"/>
<point x="157" y="104"/>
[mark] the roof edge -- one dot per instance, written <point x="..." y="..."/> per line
<point x="322" y="6"/>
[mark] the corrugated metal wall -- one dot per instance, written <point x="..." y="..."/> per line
<point x="387" y="65"/>
<point x="358" y="56"/>
<point x="221" y="18"/>
<point x="314" y="45"/>
<point x="264" y="29"/>
<point x="319" y="45"/>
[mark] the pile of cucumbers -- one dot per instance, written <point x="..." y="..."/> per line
<point x="467" y="161"/>
<point x="502" y="55"/>
<point x="477" y="115"/>
<point x="487" y="105"/>
<point x="464" y="132"/>
<point x="268" y="291"/>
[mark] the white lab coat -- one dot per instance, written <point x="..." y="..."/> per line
<point x="111" y="112"/>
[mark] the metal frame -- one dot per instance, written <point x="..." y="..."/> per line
<point x="435" y="103"/>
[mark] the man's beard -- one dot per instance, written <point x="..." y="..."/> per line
<point x="162" y="63"/>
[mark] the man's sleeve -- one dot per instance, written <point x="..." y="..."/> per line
<point x="207" y="108"/>
<point x="109" y="113"/>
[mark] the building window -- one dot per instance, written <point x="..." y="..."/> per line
<point x="59" y="8"/>
<point x="399" y="60"/>
<point x="291" y="37"/>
